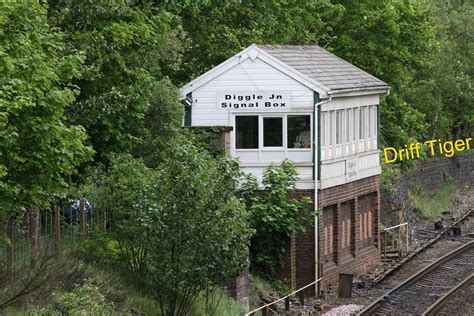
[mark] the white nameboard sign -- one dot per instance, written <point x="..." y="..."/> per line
<point x="253" y="100"/>
<point x="352" y="171"/>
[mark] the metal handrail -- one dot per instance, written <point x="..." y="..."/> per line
<point x="284" y="297"/>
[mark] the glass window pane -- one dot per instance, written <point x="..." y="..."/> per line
<point x="338" y="127"/>
<point x="362" y="123"/>
<point x="246" y="132"/>
<point x="348" y="127"/>
<point x="330" y="128"/>
<point x="376" y="127"/>
<point x="272" y="132"/>
<point x="369" y="121"/>
<point x="355" y="121"/>
<point x="299" y="131"/>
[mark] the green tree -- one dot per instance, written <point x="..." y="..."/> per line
<point x="216" y="30"/>
<point x="126" y="45"/>
<point x="454" y="69"/>
<point x="179" y="228"/>
<point x="38" y="148"/>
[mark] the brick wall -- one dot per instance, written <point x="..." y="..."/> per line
<point x="239" y="289"/>
<point x="348" y="234"/>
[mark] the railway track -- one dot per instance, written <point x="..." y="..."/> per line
<point x="415" y="295"/>
<point x="433" y="239"/>
<point x="444" y="305"/>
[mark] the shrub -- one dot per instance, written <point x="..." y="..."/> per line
<point x="85" y="299"/>
<point x="274" y="215"/>
<point x="179" y="228"/>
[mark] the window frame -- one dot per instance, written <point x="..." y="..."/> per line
<point x="284" y="117"/>
<point x="235" y="132"/>
<point x="311" y="131"/>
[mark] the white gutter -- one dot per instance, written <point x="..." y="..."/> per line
<point x="316" y="218"/>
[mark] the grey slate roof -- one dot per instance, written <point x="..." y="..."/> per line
<point x="325" y="68"/>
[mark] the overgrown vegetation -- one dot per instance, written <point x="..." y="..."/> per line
<point x="274" y="215"/>
<point x="167" y="222"/>
<point x="78" y="288"/>
<point x="432" y="204"/>
<point x="265" y="288"/>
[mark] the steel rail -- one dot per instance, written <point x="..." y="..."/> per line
<point x="422" y="248"/>
<point x="436" y="306"/>
<point x="385" y="298"/>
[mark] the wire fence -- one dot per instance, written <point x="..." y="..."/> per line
<point x="48" y="232"/>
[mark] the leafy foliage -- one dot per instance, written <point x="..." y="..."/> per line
<point x="179" y="228"/>
<point x="84" y="299"/>
<point x="217" y="30"/>
<point x="274" y="215"/>
<point x="124" y="95"/>
<point x="454" y="70"/>
<point x="39" y="149"/>
<point x="210" y="138"/>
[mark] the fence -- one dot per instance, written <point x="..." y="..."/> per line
<point x="265" y="308"/>
<point x="46" y="233"/>
<point x="395" y="241"/>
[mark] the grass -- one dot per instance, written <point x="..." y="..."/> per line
<point x="219" y="304"/>
<point x="432" y="205"/>
<point x="86" y="288"/>
<point x="262" y="287"/>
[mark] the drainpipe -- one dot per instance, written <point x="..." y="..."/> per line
<point x="317" y="141"/>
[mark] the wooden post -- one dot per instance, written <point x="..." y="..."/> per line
<point x="34" y="235"/>
<point x="82" y="216"/>
<point x="287" y="304"/>
<point x="10" y="246"/>
<point x="57" y="232"/>
<point x="301" y="295"/>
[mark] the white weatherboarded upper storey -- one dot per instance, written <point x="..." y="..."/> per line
<point x="341" y="134"/>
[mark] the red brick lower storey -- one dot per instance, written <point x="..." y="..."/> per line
<point x="348" y="235"/>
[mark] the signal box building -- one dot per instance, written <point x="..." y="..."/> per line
<point x="307" y="105"/>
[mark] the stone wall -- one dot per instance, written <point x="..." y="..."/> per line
<point x="433" y="172"/>
<point x="427" y="175"/>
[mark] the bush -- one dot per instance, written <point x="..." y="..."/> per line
<point x="274" y="215"/>
<point x="179" y="229"/>
<point x="85" y="299"/>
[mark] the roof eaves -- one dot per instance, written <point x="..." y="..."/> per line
<point x="382" y="89"/>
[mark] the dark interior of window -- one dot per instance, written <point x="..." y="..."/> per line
<point x="246" y="128"/>
<point x="299" y="131"/>
<point x="272" y="132"/>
